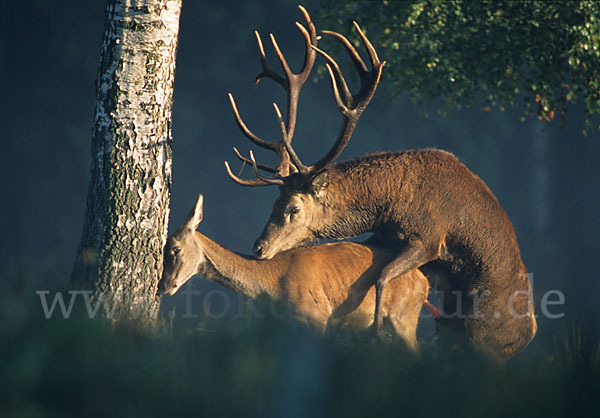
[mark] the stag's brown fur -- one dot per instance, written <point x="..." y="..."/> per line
<point x="429" y="202"/>
<point x="329" y="285"/>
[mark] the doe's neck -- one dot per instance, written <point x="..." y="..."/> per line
<point x="239" y="273"/>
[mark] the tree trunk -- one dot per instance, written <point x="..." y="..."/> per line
<point x="125" y="227"/>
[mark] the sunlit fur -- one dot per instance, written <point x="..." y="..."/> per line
<point x="329" y="285"/>
<point x="431" y="197"/>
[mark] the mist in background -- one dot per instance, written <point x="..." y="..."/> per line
<point x="546" y="178"/>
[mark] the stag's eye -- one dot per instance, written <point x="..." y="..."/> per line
<point x="176" y="250"/>
<point x="295" y="210"/>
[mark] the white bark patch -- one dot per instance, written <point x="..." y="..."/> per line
<point x="149" y="73"/>
<point x="144" y="78"/>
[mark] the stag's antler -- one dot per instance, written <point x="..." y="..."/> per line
<point x="350" y="106"/>
<point x="292" y="83"/>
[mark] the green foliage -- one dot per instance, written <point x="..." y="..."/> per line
<point x="545" y="54"/>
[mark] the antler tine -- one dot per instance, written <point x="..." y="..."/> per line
<point x="295" y="81"/>
<point x="286" y="68"/>
<point x="368" y="45"/>
<point x="260" y="180"/>
<point x="266" y="69"/>
<point x="260" y="166"/>
<point x="350" y="106"/>
<point x="337" y="79"/>
<point x="251" y="183"/>
<point x="278" y="182"/>
<point x="311" y="38"/>
<point x="336" y="93"/>
<point x="356" y="59"/>
<point x="258" y="141"/>
<point x="286" y="142"/>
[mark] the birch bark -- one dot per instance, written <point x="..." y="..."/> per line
<point x="125" y="226"/>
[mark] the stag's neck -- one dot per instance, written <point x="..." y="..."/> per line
<point x="239" y="273"/>
<point x="347" y="224"/>
<point x="357" y="198"/>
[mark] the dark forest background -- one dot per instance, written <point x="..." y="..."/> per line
<point x="546" y="177"/>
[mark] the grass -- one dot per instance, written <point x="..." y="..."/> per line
<point x="270" y="368"/>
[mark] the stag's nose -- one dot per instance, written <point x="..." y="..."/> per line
<point x="259" y="249"/>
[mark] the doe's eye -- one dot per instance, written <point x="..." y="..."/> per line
<point x="176" y="250"/>
<point x="295" y="210"/>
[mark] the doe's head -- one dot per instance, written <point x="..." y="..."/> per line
<point x="183" y="253"/>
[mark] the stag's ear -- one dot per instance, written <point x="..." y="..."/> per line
<point x="319" y="183"/>
<point x="195" y="216"/>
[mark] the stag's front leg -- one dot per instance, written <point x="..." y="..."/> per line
<point x="412" y="256"/>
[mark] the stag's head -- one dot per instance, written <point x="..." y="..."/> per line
<point x="297" y="215"/>
<point x="301" y="210"/>
<point x="183" y="254"/>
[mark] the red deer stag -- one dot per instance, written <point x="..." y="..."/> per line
<point x="329" y="285"/>
<point x="424" y="203"/>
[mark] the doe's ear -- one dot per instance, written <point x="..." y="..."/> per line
<point x="195" y="216"/>
<point x="319" y="183"/>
